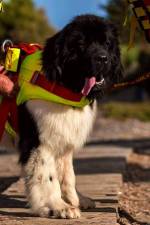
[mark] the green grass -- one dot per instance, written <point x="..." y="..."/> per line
<point x="123" y="110"/>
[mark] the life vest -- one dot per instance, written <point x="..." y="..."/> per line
<point x="28" y="90"/>
<point x="33" y="85"/>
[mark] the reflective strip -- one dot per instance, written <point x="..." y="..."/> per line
<point x="140" y="12"/>
<point x="146" y="24"/>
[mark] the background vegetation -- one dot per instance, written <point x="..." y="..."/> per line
<point x="23" y="22"/>
<point x="136" y="62"/>
<point x="126" y="110"/>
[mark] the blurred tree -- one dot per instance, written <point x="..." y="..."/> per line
<point x="117" y="11"/>
<point x="23" y="22"/>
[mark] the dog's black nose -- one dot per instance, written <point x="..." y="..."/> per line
<point x="102" y="59"/>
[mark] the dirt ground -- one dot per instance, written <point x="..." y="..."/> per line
<point x="134" y="205"/>
<point x="135" y="200"/>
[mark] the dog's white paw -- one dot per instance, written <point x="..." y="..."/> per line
<point x="86" y="203"/>
<point x="42" y="212"/>
<point x="67" y="213"/>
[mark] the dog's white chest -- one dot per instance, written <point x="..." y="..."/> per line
<point x="62" y="127"/>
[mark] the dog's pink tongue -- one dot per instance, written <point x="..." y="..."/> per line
<point x="89" y="83"/>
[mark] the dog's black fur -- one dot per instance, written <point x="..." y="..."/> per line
<point x="86" y="47"/>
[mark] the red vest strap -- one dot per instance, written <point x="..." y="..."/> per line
<point x="8" y="112"/>
<point x="41" y="81"/>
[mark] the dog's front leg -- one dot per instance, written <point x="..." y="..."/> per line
<point x="68" y="186"/>
<point x="43" y="188"/>
<point x="68" y="183"/>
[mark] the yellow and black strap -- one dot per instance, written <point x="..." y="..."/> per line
<point x="141" y="9"/>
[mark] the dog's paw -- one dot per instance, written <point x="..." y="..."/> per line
<point x="42" y="212"/>
<point x="67" y="213"/>
<point x="86" y="203"/>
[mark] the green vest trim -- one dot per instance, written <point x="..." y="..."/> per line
<point x="30" y="91"/>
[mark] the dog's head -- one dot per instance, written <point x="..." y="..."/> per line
<point x="84" y="56"/>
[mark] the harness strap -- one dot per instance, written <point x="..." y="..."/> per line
<point x="53" y="87"/>
<point x="8" y="112"/>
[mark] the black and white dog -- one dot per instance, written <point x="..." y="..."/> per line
<point x="87" y="48"/>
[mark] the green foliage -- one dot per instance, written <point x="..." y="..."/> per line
<point x="123" y="110"/>
<point x="116" y="12"/>
<point x="129" y="56"/>
<point x="23" y="22"/>
<point x="119" y="11"/>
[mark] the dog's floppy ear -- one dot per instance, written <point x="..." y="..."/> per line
<point x="51" y="59"/>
